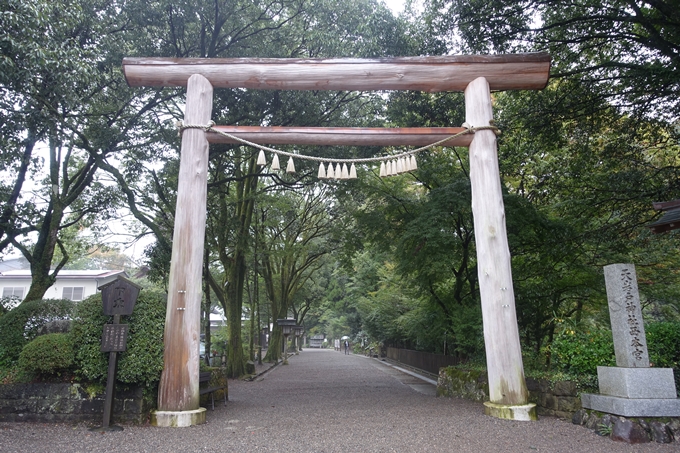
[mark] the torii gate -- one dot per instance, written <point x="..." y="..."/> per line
<point x="178" y="398"/>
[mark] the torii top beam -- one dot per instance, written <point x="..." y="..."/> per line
<point x="529" y="71"/>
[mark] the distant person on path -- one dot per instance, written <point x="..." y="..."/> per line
<point x="346" y="347"/>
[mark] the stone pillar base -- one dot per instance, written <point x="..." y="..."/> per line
<point x="525" y="412"/>
<point x="178" y="419"/>
<point x="635" y="383"/>
<point x="632" y="407"/>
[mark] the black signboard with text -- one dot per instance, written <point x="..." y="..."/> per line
<point x="114" y="338"/>
<point x="119" y="296"/>
<point x="118" y="299"/>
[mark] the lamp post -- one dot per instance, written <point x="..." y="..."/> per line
<point x="263" y="343"/>
<point x="298" y="331"/>
<point x="302" y="334"/>
<point x="286" y="327"/>
<point x="286" y="331"/>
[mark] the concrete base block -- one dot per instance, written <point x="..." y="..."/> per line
<point x="178" y="419"/>
<point x="647" y="383"/>
<point x="641" y="407"/>
<point x="526" y="412"/>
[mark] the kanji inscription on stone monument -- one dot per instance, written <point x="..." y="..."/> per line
<point x="630" y="343"/>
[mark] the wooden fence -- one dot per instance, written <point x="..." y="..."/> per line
<point x="422" y="360"/>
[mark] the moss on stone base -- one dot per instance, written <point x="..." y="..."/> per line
<point x="525" y="412"/>
<point x="175" y="419"/>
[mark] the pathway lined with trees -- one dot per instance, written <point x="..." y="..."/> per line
<point x="331" y="402"/>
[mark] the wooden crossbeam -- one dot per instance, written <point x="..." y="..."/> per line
<point x="529" y="71"/>
<point x="339" y="136"/>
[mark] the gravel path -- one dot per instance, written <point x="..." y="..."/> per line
<point x="326" y="401"/>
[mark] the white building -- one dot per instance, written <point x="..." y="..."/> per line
<point x="14" y="264"/>
<point x="73" y="285"/>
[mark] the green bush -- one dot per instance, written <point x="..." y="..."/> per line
<point x="47" y="355"/>
<point x="21" y="325"/>
<point x="142" y="362"/>
<point x="581" y="352"/>
<point x="663" y="343"/>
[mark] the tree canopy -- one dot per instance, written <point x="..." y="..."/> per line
<point x="626" y="52"/>
<point x="388" y="260"/>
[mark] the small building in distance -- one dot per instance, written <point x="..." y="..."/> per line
<point x="670" y="220"/>
<point x="72" y="285"/>
<point x="316" y="341"/>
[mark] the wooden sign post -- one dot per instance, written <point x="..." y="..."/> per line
<point x="118" y="299"/>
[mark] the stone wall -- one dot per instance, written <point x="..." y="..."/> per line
<point x="559" y="399"/>
<point x="68" y="403"/>
<point x="455" y="383"/>
<point x="662" y="430"/>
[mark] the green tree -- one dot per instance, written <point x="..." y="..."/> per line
<point x="625" y="52"/>
<point x="62" y="89"/>
<point x="229" y="232"/>
<point x="586" y="156"/>
<point x="296" y="232"/>
<point x="593" y="180"/>
<point x="320" y="28"/>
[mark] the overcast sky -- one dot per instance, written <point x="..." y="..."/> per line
<point x="397" y="6"/>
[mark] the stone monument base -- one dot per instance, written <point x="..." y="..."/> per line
<point x="652" y="383"/>
<point x="178" y="418"/>
<point x="632" y="407"/>
<point x="525" y="412"/>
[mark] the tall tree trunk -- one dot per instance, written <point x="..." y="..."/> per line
<point x="251" y="339"/>
<point x="206" y="308"/>
<point x="279" y="306"/>
<point x="256" y="296"/>
<point x="40" y="257"/>
<point x="8" y="213"/>
<point x="237" y="268"/>
<point x="235" y="357"/>
<point x="274" y="352"/>
<point x="274" y="349"/>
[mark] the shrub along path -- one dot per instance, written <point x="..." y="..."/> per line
<point x="326" y="401"/>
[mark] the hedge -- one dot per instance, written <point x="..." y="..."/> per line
<point x="142" y="362"/>
<point x="48" y="355"/>
<point x="21" y="325"/>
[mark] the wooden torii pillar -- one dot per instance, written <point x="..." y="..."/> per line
<point x="475" y="75"/>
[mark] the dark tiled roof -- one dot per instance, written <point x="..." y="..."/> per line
<point x="669" y="221"/>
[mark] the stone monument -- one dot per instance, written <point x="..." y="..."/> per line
<point x="631" y="388"/>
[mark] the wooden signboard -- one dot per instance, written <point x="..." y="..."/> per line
<point x="119" y="297"/>
<point x="114" y="338"/>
